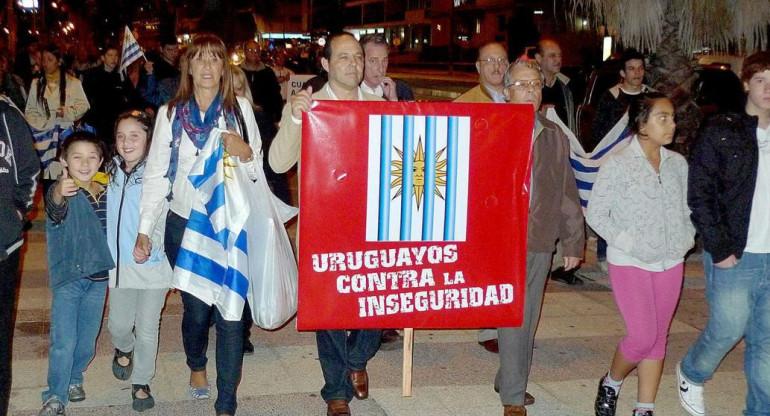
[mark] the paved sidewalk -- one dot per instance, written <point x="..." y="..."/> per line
<point x="452" y="373"/>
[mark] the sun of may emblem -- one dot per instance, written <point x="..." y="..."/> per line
<point x="419" y="172"/>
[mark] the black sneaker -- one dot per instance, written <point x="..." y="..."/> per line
<point x="642" y="413"/>
<point x="606" y="400"/>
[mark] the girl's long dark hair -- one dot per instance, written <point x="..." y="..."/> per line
<point x="42" y="82"/>
<point x="144" y="120"/>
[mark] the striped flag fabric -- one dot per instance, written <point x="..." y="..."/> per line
<point x="418" y="178"/>
<point x="213" y="263"/>
<point x="46" y="144"/>
<point x="586" y="165"/>
<point x="131" y="50"/>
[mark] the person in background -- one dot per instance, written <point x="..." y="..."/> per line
<point x="282" y="73"/>
<point x="11" y="85"/>
<point x="729" y="178"/>
<point x="109" y="94"/>
<point x="19" y="169"/>
<point x="557" y="94"/>
<point x="160" y="66"/>
<point x="491" y="65"/>
<point x="78" y="264"/>
<point x="376" y="81"/>
<point x="639" y="206"/>
<point x="56" y="100"/>
<point x="138" y="289"/>
<point x="264" y="86"/>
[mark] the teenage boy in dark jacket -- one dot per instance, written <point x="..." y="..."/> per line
<point x="729" y="195"/>
<point x="19" y="168"/>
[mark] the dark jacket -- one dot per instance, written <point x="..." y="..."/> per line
<point x="266" y="91"/>
<point x="722" y="178"/>
<point x="109" y="96"/>
<point x="77" y="246"/>
<point x="554" y="208"/>
<point x="19" y="168"/>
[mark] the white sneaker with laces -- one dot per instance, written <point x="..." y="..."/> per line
<point x="690" y="395"/>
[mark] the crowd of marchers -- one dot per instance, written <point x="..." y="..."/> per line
<point x="112" y="151"/>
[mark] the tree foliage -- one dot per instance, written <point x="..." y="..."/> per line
<point x="717" y="24"/>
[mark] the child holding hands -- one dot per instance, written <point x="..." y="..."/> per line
<point x="78" y="262"/>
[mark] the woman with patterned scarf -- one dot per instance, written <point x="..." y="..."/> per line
<point x="204" y="108"/>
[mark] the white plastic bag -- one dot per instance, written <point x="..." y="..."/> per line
<point x="273" y="271"/>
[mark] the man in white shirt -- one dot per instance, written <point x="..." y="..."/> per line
<point x="728" y="184"/>
<point x="376" y="81"/>
<point x="343" y="355"/>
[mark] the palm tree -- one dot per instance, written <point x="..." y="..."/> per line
<point x="672" y="29"/>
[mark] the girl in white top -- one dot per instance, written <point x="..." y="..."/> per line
<point x="639" y="205"/>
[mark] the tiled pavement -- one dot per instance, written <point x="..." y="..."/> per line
<point x="453" y="375"/>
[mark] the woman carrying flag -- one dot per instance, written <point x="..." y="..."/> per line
<point x="203" y="123"/>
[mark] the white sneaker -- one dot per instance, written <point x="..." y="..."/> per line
<point x="603" y="266"/>
<point x="690" y="395"/>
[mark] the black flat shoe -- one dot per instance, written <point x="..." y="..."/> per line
<point x="122" y="372"/>
<point x="140" y="405"/>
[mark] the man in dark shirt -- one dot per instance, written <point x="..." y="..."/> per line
<point x="265" y="89"/>
<point x="108" y="95"/>
<point x="556" y="91"/>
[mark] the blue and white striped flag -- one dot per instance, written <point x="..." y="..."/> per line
<point x="213" y="262"/>
<point x="131" y="50"/>
<point x="586" y="165"/>
<point x="418" y="178"/>
<point x="46" y="144"/>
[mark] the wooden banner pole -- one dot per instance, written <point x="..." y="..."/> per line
<point x="407" y="370"/>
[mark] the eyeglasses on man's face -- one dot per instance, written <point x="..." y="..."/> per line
<point x="526" y="84"/>
<point x="492" y="61"/>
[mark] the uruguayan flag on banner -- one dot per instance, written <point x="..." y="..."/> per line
<point x="586" y="165"/>
<point x="213" y="262"/>
<point x="418" y="178"/>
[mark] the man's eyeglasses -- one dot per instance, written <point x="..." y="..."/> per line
<point x="490" y="61"/>
<point x="252" y="50"/>
<point x="522" y="85"/>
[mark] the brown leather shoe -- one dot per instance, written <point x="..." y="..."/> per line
<point x="490" y="345"/>
<point x="337" y="408"/>
<point x="513" y="410"/>
<point x="360" y="381"/>
<point x="529" y="399"/>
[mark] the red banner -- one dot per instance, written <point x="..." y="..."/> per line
<point x="442" y="247"/>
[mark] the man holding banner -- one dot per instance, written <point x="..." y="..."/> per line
<point x="555" y="213"/>
<point x="343" y="354"/>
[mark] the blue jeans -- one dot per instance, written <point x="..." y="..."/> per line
<point x="76" y="316"/>
<point x="195" y="330"/>
<point x="739" y="305"/>
<point x="339" y="351"/>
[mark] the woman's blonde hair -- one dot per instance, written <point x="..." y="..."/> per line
<point x="205" y="43"/>
<point x="240" y="77"/>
